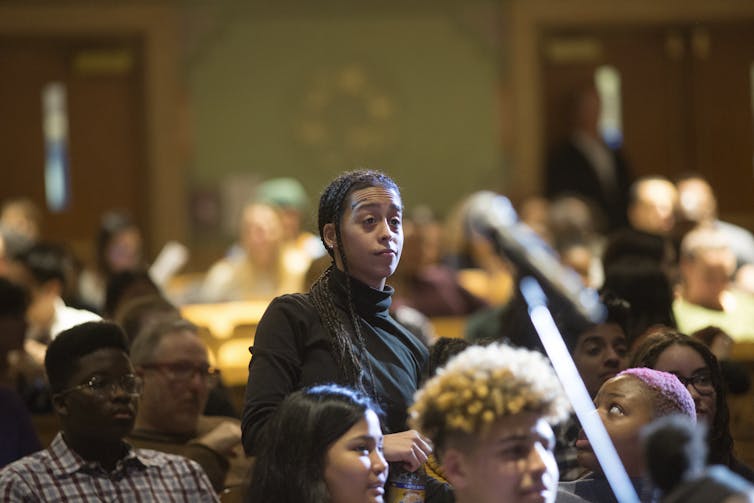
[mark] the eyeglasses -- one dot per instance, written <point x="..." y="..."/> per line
<point x="701" y="382"/>
<point x="184" y="371"/>
<point x="106" y="386"/>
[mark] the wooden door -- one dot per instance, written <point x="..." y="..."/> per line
<point x="106" y="142"/>
<point x="686" y="94"/>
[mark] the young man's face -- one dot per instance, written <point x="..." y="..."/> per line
<point x="513" y="461"/>
<point x="600" y="354"/>
<point x="105" y="415"/>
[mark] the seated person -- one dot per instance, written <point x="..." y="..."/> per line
<point x="695" y="365"/>
<point x="599" y="351"/>
<point x="17" y="435"/>
<point x="42" y="269"/>
<point x="95" y="399"/>
<point x="431" y="288"/>
<point x="488" y="414"/>
<point x="322" y="444"/>
<point x="707" y="296"/>
<point x="675" y="450"/>
<point x="173" y="365"/>
<point x="626" y="403"/>
<point x="119" y="248"/>
<point x="261" y="269"/>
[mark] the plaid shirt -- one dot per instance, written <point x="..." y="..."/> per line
<point x="59" y="474"/>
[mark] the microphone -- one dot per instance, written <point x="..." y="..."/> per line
<point x="493" y="216"/>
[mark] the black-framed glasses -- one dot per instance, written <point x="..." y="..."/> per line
<point x="105" y="386"/>
<point x="701" y="382"/>
<point x="184" y="371"/>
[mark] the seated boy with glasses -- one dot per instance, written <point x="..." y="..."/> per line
<point x="173" y="363"/>
<point x="95" y="394"/>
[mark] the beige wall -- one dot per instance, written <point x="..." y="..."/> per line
<point x="309" y="92"/>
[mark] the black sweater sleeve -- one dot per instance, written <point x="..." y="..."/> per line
<point x="274" y="369"/>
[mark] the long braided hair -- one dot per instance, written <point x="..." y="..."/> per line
<point x="348" y="346"/>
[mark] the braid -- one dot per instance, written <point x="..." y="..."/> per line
<point x="348" y="347"/>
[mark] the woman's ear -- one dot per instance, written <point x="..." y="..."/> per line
<point x="328" y="232"/>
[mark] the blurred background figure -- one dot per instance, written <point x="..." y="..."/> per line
<point x="261" y="270"/>
<point x="421" y="282"/>
<point x="707" y="295"/>
<point x="20" y="224"/>
<point x="652" y="205"/>
<point x="42" y="269"/>
<point x="289" y="197"/>
<point x="587" y="167"/>
<point x="119" y="248"/>
<point x="698" y="206"/>
<point x="675" y="453"/>
<point x="17" y="435"/>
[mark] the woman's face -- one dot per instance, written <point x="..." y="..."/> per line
<point x="625" y="405"/>
<point x="371" y="233"/>
<point x="686" y="363"/>
<point x="355" y="468"/>
<point x="600" y="353"/>
<point x="513" y="461"/>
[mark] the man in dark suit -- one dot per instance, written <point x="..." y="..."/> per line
<point x="585" y="166"/>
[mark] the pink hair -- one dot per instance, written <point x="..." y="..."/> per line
<point x="673" y="396"/>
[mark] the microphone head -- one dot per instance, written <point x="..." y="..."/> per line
<point x="493" y="215"/>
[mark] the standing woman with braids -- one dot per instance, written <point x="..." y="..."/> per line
<point x="341" y="332"/>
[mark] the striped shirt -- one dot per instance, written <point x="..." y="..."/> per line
<point x="59" y="474"/>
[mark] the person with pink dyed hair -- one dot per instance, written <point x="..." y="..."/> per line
<point x="626" y="403"/>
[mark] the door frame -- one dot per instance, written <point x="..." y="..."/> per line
<point x="165" y="96"/>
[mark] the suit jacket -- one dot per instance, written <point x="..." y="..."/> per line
<point x="570" y="172"/>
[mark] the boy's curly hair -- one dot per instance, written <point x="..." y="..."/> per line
<point x="482" y="385"/>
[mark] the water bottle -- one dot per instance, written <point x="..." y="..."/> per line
<point x="404" y="486"/>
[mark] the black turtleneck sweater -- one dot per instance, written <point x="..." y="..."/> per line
<point x="292" y="351"/>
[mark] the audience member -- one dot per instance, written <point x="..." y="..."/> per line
<point x="698" y="206"/>
<point x="17" y="435"/>
<point x="652" y="205"/>
<point x="431" y="288"/>
<point x="173" y="365"/>
<point x="42" y="270"/>
<point x="95" y="398"/>
<point x="675" y="451"/>
<point x="600" y="351"/>
<point x="586" y="166"/>
<point x="646" y="288"/>
<point x="119" y="248"/>
<point x="696" y="366"/>
<point x="706" y="294"/>
<point x="322" y="444"/>
<point x="20" y="224"/>
<point x="735" y="374"/>
<point x="488" y="413"/>
<point x="341" y="330"/>
<point x="124" y="286"/>
<point x="626" y="403"/>
<point x="289" y="197"/>
<point x="261" y="271"/>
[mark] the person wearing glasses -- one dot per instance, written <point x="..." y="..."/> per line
<point x="172" y="361"/>
<point x="696" y="367"/>
<point x="95" y="395"/>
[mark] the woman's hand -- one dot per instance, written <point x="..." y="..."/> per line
<point x="407" y="447"/>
